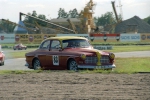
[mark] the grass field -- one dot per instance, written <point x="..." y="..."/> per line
<point x="124" y="65"/>
<point x="129" y="65"/>
<point x="21" y="53"/>
<point x="129" y="48"/>
<point x="16" y="53"/>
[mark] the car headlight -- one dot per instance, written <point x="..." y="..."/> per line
<point x="112" y="56"/>
<point x="83" y="56"/>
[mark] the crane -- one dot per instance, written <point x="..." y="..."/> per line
<point x="121" y="12"/>
<point x="114" y="8"/>
<point x="72" y="25"/>
<point x="18" y="25"/>
<point x="55" y="25"/>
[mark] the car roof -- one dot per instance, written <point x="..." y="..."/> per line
<point x="67" y="37"/>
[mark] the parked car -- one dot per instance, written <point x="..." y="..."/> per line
<point x="68" y="52"/>
<point x="20" y="47"/>
<point x="2" y="58"/>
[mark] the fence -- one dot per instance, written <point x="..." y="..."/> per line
<point x="38" y="38"/>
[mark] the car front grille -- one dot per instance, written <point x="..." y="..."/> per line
<point x="105" y="59"/>
<point x="91" y="60"/>
<point x="94" y="60"/>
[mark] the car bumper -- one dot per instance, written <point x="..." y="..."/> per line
<point x="91" y="67"/>
<point x="96" y="67"/>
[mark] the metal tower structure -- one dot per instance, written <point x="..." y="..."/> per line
<point x="120" y="6"/>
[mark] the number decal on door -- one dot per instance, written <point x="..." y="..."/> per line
<point x="55" y="60"/>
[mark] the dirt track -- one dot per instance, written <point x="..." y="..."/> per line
<point x="63" y="85"/>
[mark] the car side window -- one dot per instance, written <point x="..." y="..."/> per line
<point x="55" y="45"/>
<point x="45" y="45"/>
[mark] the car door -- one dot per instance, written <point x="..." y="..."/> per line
<point x="42" y="52"/>
<point x="54" y="55"/>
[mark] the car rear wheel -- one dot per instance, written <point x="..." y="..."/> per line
<point x="72" y="65"/>
<point x="36" y="64"/>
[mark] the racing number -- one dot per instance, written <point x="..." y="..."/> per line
<point x="55" y="60"/>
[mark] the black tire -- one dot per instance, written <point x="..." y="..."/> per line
<point x="36" y="64"/>
<point x="2" y="64"/>
<point x="72" y="65"/>
<point x="110" y="69"/>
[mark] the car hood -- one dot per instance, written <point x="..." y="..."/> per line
<point x="87" y="51"/>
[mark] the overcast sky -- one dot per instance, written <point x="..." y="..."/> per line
<point x="9" y="9"/>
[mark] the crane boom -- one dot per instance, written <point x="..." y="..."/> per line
<point x="114" y="8"/>
<point x="17" y="24"/>
<point x="47" y="22"/>
<point x="72" y="25"/>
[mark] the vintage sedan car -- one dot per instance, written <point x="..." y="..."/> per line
<point x="20" y="47"/>
<point x="2" y="58"/>
<point x="68" y="52"/>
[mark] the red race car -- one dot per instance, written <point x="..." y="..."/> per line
<point x="19" y="47"/>
<point x="68" y="52"/>
<point x="2" y="57"/>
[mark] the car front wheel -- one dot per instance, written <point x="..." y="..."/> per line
<point x="36" y="64"/>
<point x="2" y="63"/>
<point x="72" y="65"/>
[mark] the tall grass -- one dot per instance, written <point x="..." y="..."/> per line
<point x="132" y="65"/>
<point x="123" y="65"/>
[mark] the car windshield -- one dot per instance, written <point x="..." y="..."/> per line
<point x="77" y="43"/>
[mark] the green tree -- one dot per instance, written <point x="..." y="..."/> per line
<point x="34" y="13"/>
<point x="147" y="19"/>
<point x="6" y="27"/>
<point x="105" y="19"/>
<point x="43" y="17"/>
<point x="28" y="19"/>
<point x="63" y="14"/>
<point x="34" y="21"/>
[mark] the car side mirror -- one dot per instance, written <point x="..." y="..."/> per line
<point x="59" y="48"/>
